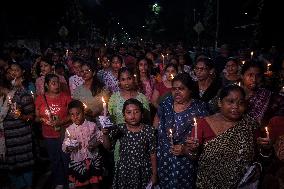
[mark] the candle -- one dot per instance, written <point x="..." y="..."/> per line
<point x="195" y="128"/>
<point x="172" y="76"/>
<point x="268" y="66"/>
<point x="243" y="62"/>
<point x="239" y="84"/>
<point x="9" y="100"/>
<point x="67" y="52"/>
<point x="85" y="106"/>
<point x="167" y="56"/>
<point x="98" y="60"/>
<point x="105" y="44"/>
<point x="68" y="134"/>
<point x="251" y="54"/>
<point x="163" y="58"/>
<point x="267" y="132"/>
<point x="104" y="106"/>
<point x="171" y="137"/>
<point x="32" y="94"/>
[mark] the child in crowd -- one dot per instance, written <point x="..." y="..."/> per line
<point x="137" y="164"/>
<point x="82" y="139"/>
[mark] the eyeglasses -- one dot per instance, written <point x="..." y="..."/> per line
<point x="200" y="69"/>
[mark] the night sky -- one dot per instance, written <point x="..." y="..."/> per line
<point x="42" y="19"/>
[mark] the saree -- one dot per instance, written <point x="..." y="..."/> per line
<point x="224" y="159"/>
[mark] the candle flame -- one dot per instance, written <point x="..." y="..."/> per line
<point x="266" y="130"/>
<point x="67" y="132"/>
<point x="85" y="106"/>
<point x="268" y="64"/>
<point x="194" y="119"/>
<point x="251" y="53"/>
<point x="243" y="62"/>
<point x="172" y="76"/>
<point x="103" y="100"/>
<point x="163" y="56"/>
<point x="239" y="84"/>
<point x="134" y="75"/>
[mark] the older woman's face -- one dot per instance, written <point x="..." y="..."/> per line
<point x="180" y="92"/>
<point x="233" y="106"/>
<point x="201" y="71"/>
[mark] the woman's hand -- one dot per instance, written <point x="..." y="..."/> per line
<point x="105" y="131"/>
<point x="191" y="144"/>
<point x="177" y="149"/>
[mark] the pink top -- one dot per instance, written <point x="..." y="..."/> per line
<point x="83" y="134"/>
<point x="40" y="84"/>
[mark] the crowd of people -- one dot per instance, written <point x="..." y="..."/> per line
<point x="145" y="116"/>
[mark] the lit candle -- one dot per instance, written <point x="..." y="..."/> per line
<point x="251" y="54"/>
<point x="243" y="62"/>
<point x="67" y="52"/>
<point x="171" y="137"/>
<point x="239" y="84"/>
<point x="32" y="94"/>
<point x="105" y="44"/>
<point x="98" y="60"/>
<point x="167" y="56"/>
<point x="195" y="128"/>
<point x="104" y="106"/>
<point x="85" y="106"/>
<point x="68" y="134"/>
<point x="9" y="100"/>
<point x="163" y="58"/>
<point x="267" y="132"/>
<point x="268" y="66"/>
<point x="135" y="75"/>
<point x="172" y="76"/>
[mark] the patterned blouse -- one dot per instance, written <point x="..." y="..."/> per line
<point x="258" y="103"/>
<point x="74" y="82"/>
<point x="83" y="134"/>
<point x="111" y="82"/>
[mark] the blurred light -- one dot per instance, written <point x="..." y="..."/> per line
<point x="143" y="26"/>
<point x="141" y="39"/>
<point x="246" y="13"/>
<point x="129" y="38"/>
<point x="118" y="23"/>
<point x="122" y="28"/>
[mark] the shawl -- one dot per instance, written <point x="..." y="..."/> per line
<point x="224" y="159"/>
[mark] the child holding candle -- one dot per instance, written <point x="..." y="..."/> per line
<point x="136" y="165"/>
<point x="82" y="139"/>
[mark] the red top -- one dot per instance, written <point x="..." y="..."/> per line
<point x="162" y="88"/>
<point x="276" y="127"/>
<point x="58" y="107"/>
<point x="204" y="131"/>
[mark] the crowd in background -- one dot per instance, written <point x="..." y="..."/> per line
<point x="179" y="117"/>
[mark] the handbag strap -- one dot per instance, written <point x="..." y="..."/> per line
<point x="48" y="108"/>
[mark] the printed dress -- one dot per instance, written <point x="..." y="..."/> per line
<point x="133" y="169"/>
<point x="111" y="82"/>
<point x="176" y="172"/>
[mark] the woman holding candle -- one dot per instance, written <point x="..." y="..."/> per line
<point x="19" y="112"/>
<point x="163" y="88"/>
<point x="91" y="92"/>
<point x="225" y="141"/>
<point x="51" y="111"/>
<point x="176" y="113"/>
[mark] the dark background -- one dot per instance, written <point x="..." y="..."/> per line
<point x="98" y="20"/>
